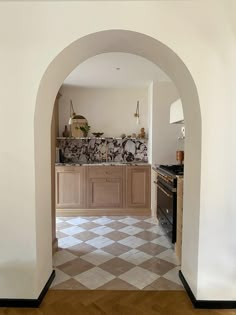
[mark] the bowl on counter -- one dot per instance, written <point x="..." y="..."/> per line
<point x="98" y="134"/>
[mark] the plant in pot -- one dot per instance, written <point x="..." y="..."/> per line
<point x="85" y="129"/>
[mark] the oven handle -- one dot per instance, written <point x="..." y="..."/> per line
<point x="158" y="186"/>
<point x="165" y="177"/>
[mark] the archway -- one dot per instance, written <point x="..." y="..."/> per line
<point x="169" y="62"/>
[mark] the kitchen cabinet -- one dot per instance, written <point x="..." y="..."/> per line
<point x="106" y="187"/>
<point x="71" y="187"/>
<point x="103" y="190"/>
<point x="178" y="244"/>
<point x="138" y="187"/>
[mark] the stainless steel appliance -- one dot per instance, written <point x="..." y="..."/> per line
<point x="166" y="197"/>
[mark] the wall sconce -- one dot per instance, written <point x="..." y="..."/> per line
<point x="72" y="113"/>
<point x="137" y="113"/>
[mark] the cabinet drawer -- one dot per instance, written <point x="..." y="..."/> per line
<point x="105" y="171"/>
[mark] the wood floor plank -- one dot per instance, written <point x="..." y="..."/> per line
<point x="69" y="302"/>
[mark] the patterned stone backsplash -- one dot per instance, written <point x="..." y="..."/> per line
<point x="95" y="150"/>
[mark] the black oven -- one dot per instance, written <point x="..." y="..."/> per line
<point x="166" y="184"/>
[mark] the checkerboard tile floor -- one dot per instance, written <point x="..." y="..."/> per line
<point x="114" y="253"/>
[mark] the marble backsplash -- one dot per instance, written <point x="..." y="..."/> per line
<point x="95" y="150"/>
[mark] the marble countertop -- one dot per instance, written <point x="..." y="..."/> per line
<point x="103" y="164"/>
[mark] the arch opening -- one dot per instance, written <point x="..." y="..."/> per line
<point x="170" y="63"/>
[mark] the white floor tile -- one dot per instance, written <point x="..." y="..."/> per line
<point x="163" y="241"/>
<point x="72" y="230"/>
<point x="131" y="230"/>
<point x="68" y="241"/>
<point x="103" y="221"/>
<point x="156" y="229"/>
<point x="97" y="257"/>
<point x="132" y="241"/>
<point x="100" y="242"/>
<point x="94" y="278"/>
<point x="139" y="277"/>
<point x="152" y="220"/>
<point x="102" y="230"/>
<point x="77" y="221"/>
<point x="173" y="275"/>
<point x="170" y="256"/>
<point x="60" y="277"/>
<point x="61" y="257"/>
<point x="135" y="256"/>
<point x="129" y="220"/>
<point x="58" y="220"/>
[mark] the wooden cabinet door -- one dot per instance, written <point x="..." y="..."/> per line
<point x="70" y="187"/>
<point x="105" y="193"/>
<point x="138" y="187"/>
<point x="105" y="186"/>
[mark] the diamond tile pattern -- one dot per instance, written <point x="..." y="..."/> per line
<point x="114" y="253"/>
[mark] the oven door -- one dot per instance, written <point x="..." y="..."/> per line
<point x="166" y="210"/>
<point x="165" y="200"/>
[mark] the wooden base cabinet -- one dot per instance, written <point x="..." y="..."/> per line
<point x="138" y="187"/>
<point x="103" y="190"/>
<point x="71" y="187"/>
<point x="105" y="187"/>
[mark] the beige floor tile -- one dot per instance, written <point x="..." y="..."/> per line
<point x="144" y="225"/>
<point x="116" y="266"/>
<point x="62" y="257"/>
<point x="173" y="275"/>
<point x="147" y="236"/>
<point x="94" y="278"/>
<point x="63" y="225"/>
<point x="157" y="266"/>
<point x="116" y="249"/>
<point x="114" y="253"/>
<point x="116" y="225"/>
<point x="85" y="236"/>
<point x="70" y="284"/>
<point x="89" y="225"/>
<point x="117" y="284"/>
<point x="163" y="284"/>
<point x="151" y="249"/>
<point x="116" y="235"/>
<point x="76" y="266"/>
<point x="169" y="255"/>
<point x="60" y="234"/>
<point x="97" y="257"/>
<point x="81" y="249"/>
<point x="60" y="277"/>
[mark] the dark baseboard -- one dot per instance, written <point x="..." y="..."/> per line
<point x="207" y="304"/>
<point x="28" y="302"/>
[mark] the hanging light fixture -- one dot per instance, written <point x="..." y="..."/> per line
<point x="137" y="113"/>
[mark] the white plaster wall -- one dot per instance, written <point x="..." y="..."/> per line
<point x="32" y="34"/>
<point x="108" y="110"/>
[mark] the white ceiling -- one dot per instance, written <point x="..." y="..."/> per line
<point x="101" y="71"/>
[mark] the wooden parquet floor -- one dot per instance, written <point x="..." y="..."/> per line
<point x="68" y="302"/>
